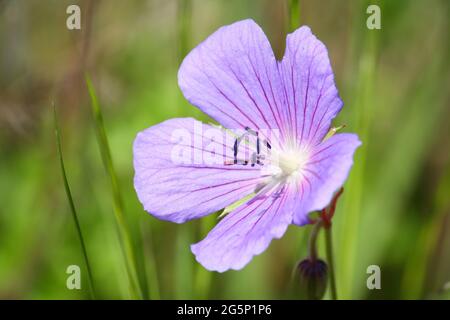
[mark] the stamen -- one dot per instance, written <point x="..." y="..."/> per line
<point x="257" y="145"/>
<point x="256" y="157"/>
<point x="237" y="161"/>
<point x="235" y="150"/>
<point x="253" y="159"/>
<point x="278" y="193"/>
<point x="253" y="132"/>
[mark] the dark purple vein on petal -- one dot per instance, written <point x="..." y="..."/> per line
<point x="250" y="97"/>
<point x="241" y="188"/>
<point x="321" y="151"/>
<point x="317" y="104"/>
<point x="281" y="201"/>
<point x="271" y="90"/>
<point x="227" y="183"/>
<point x="261" y="85"/>
<point x="235" y="106"/>
<point x="305" y="105"/>
<point x="227" y="98"/>
<point x="315" y="174"/>
<point x="323" y="115"/>
<point x="240" y="209"/>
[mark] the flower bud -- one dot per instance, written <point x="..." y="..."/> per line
<point x="311" y="279"/>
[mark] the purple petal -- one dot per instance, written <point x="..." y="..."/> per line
<point x="325" y="172"/>
<point x="247" y="231"/>
<point x="313" y="100"/>
<point x="178" y="178"/>
<point x="233" y="77"/>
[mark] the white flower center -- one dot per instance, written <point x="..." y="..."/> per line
<point x="291" y="162"/>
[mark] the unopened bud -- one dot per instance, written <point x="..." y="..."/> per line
<point x="311" y="279"/>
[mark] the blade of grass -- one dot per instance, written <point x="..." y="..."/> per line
<point x="72" y="205"/>
<point x="419" y="262"/>
<point x="184" y="26"/>
<point x="294" y="14"/>
<point x="352" y="204"/>
<point x="147" y="237"/>
<point x="203" y="278"/>
<point x="420" y="267"/>
<point x="122" y="225"/>
<point x="142" y="268"/>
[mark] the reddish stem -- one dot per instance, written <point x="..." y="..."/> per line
<point x="327" y="215"/>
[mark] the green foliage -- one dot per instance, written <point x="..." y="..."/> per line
<point x="395" y="209"/>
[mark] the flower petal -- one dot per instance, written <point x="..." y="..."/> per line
<point x="180" y="172"/>
<point x="326" y="171"/>
<point x="312" y="98"/>
<point x="233" y="77"/>
<point x="247" y="231"/>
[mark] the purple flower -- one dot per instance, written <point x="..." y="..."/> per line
<point x="273" y="164"/>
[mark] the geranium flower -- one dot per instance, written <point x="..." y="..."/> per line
<point x="272" y="165"/>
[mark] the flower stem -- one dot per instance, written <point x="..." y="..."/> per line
<point x="329" y="252"/>
<point x="313" y="240"/>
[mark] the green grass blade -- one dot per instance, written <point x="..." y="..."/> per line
<point x="72" y="205"/>
<point x="153" y="286"/>
<point x="351" y="209"/>
<point x="294" y="15"/>
<point x="122" y="225"/>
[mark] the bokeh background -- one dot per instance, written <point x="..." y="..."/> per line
<point x="394" y="213"/>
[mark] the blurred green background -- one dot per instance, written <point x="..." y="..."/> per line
<point x="394" y="213"/>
